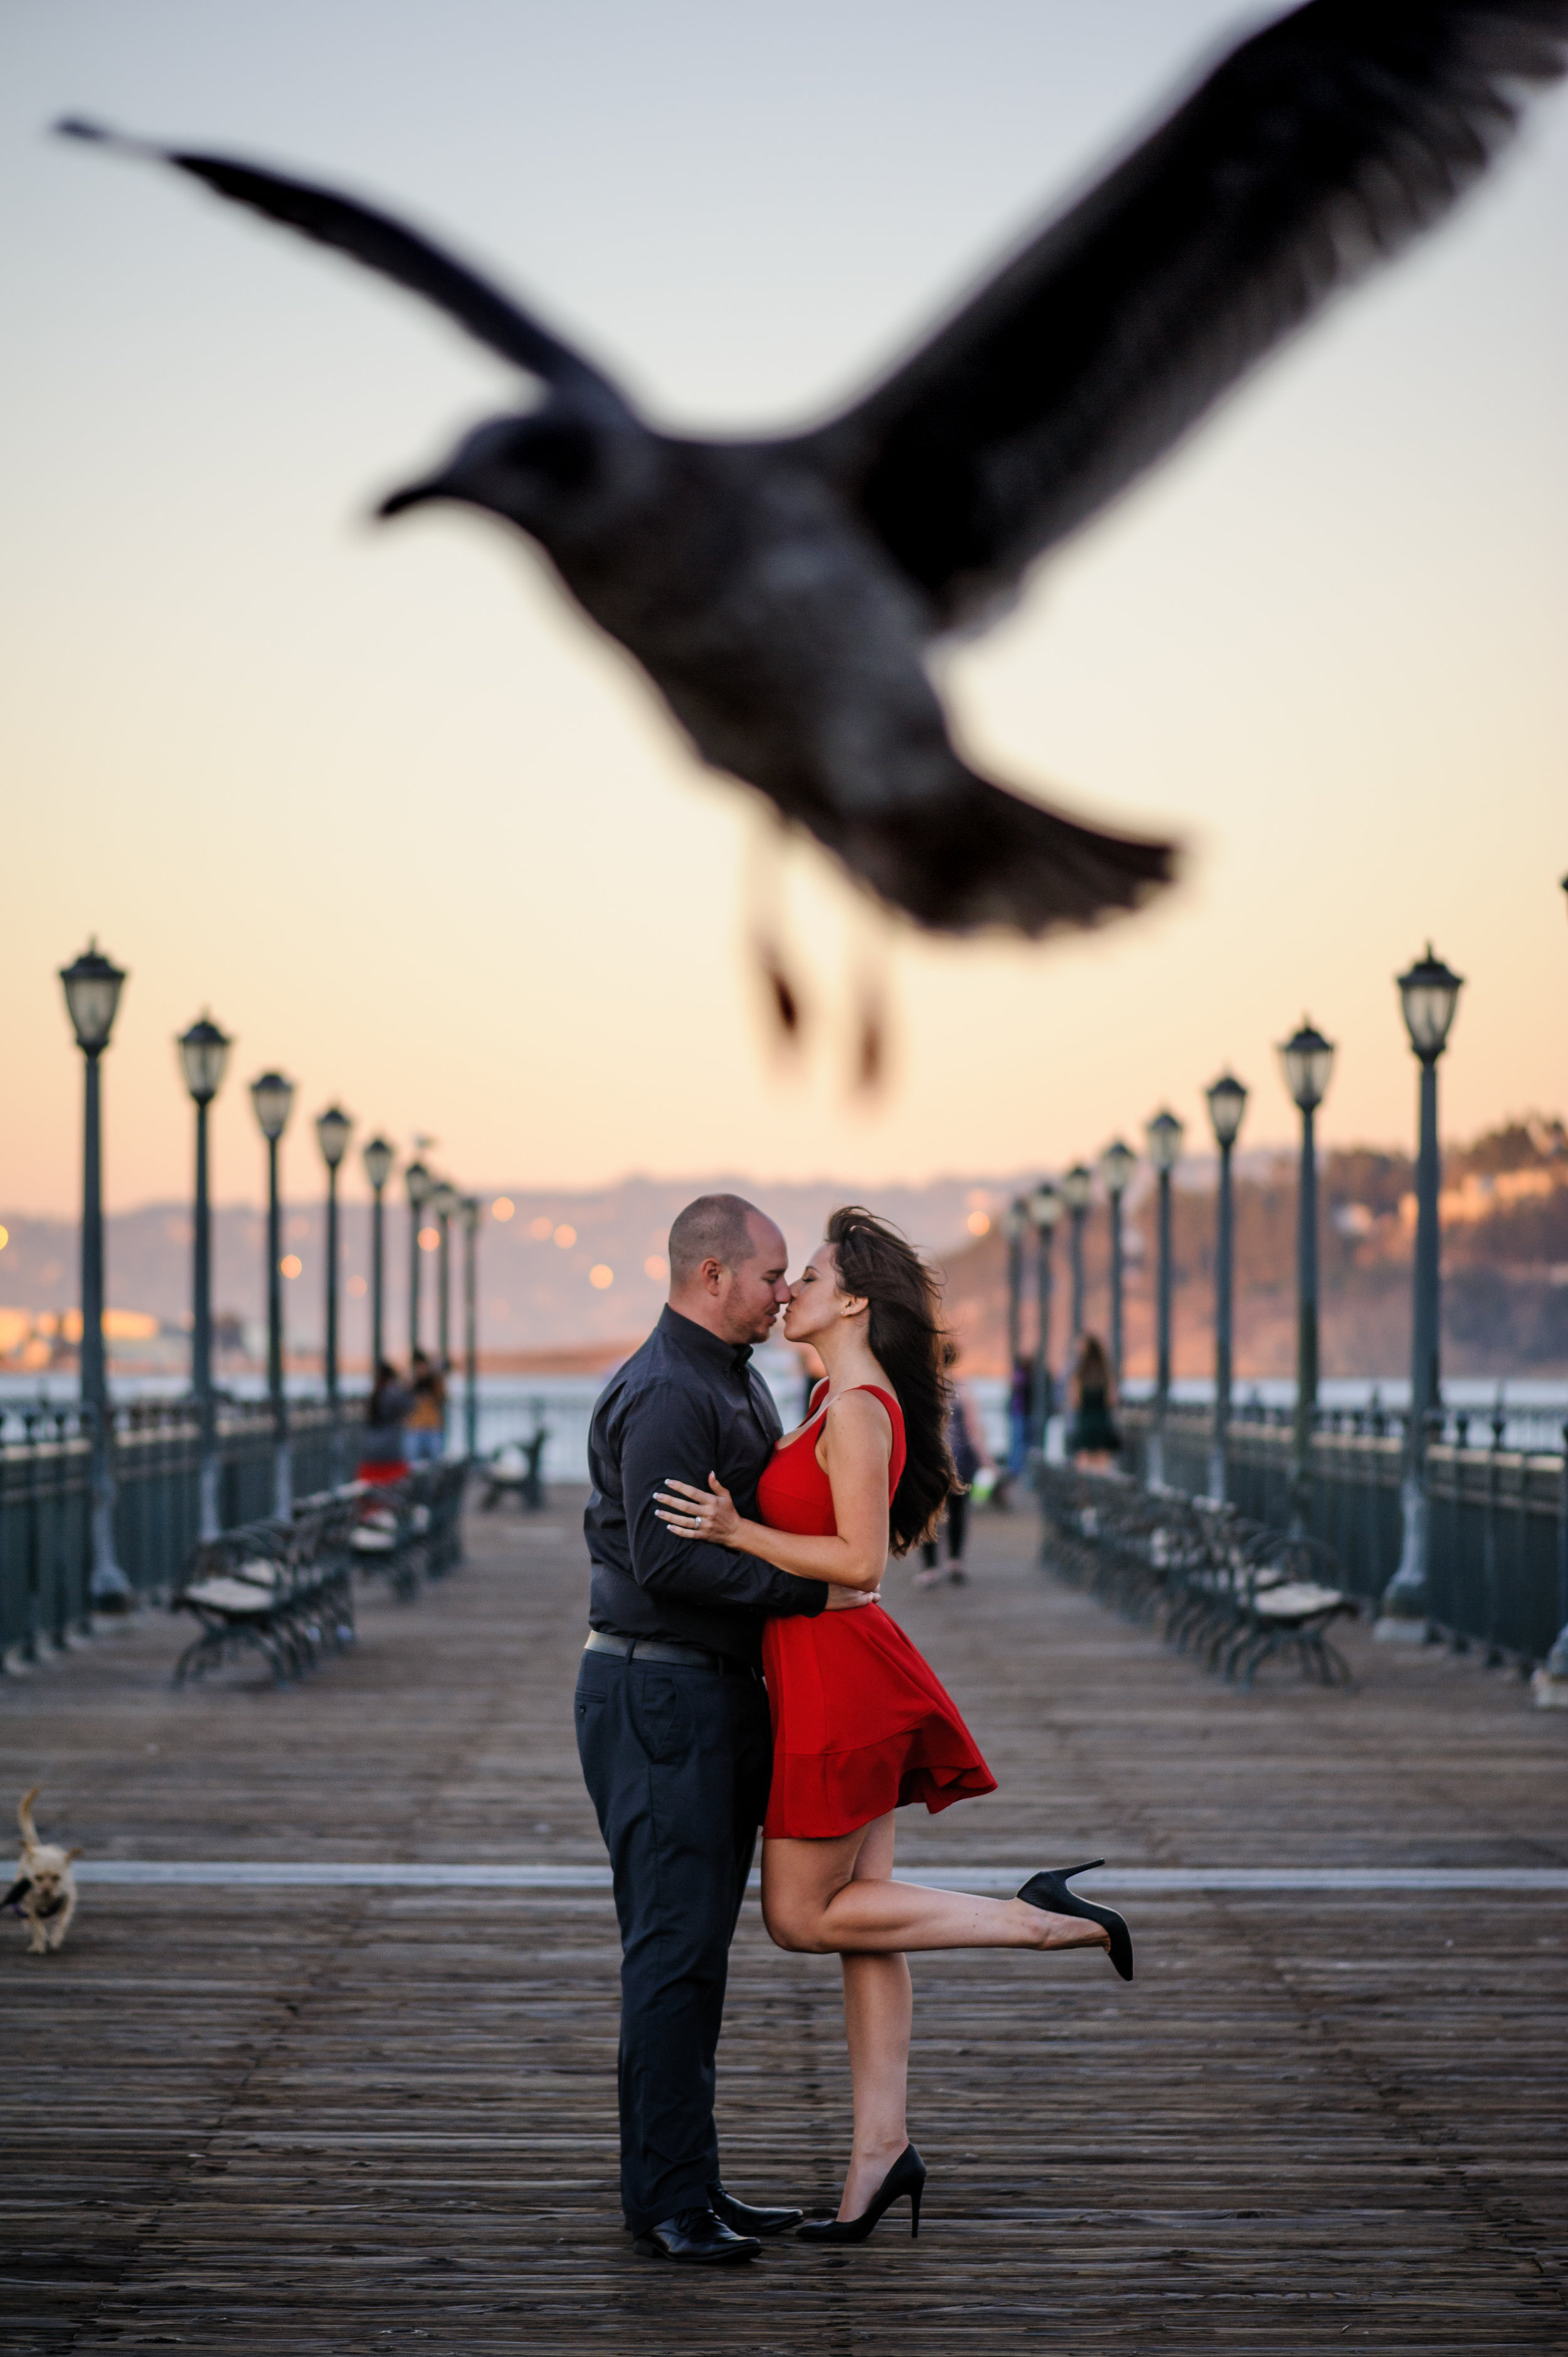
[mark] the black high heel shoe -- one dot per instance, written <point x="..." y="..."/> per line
<point x="1049" y="1891"/>
<point x="907" y="2174"/>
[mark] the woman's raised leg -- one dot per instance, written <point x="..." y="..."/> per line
<point x="813" y="1901"/>
<point x="878" y="2012"/>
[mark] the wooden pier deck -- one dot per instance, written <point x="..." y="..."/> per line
<point x="354" y="2119"/>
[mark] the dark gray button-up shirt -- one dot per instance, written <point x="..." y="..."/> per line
<point x="685" y="1405"/>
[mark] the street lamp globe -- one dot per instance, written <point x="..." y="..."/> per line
<point x="1078" y="1187"/>
<point x="1227" y="1105"/>
<point x="1046" y="1206"/>
<point x="93" y="985"/>
<point x="204" y="1052"/>
<point x="378" y="1157"/>
<point x="444" y="1198"/>
<point x="1429" y="995"/>
<point x="333" y="1130"/>
<point x="1015" y="1222"/>
<point x="1164" y="1136"/>
<point x="1308" y="1059"/>
<point x="420" y="1185"/>
<point x="471" y="1214"/>
<point x="1117" y="1165"/>
<point x="273" y="1096"/>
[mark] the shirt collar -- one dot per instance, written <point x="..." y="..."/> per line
<point x="733" y="1358"/>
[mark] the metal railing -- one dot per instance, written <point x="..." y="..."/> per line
<point x="1497" y="1527"/>
<point x="46" y="1553"/>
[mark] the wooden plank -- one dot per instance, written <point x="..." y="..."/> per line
<point x="351" y="2120"/>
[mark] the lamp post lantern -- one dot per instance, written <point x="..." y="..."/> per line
<point x="1227" y="1105"/>
<point x="1117" y="1165"/>
<point x="203" y="1054"/>
<point x="1045" y="1208"/>
<point x="1016" y="1225"/>
<point x="1078" y="1191"/>
<point x="1429" y="998"/>
<point x="273" y="1096"/>
<point x="420" y="1185"/>
<point x="93" y="985"/>
<point x="1308" y="1060"/>
<point x="470" y="1328"/>
<point x="377" y="1159"/>
<point x="1164" y="1136"/>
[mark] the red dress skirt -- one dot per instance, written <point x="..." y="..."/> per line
<point x="861" y="1722"/>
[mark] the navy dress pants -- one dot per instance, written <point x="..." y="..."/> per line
<point x="677" y="1761"/>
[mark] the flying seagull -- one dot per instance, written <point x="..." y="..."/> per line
<point x="781" y="595"/>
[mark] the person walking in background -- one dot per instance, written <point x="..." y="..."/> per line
<point x="383" y="1456"/>
<point x="1095" y="1440"/>
<point x="427" y="1417"/>
<point x="966" y="1440"/>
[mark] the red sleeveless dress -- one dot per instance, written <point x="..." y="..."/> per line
<point x="861" y="1723"/>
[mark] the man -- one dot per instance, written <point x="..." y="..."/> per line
<point x="672" y="1724"/>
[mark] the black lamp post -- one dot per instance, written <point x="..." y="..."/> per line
<point x="1308" y="1060"/>
<point x="1078" y="1190"/>
<point x="1164" y="1136"/>
<point x="1016" y="1224"/>
<point x="445" y="1200"/>
<point x="419" y="1182"/>
<point x="333" y="1130"/>
<point x="273" y="1096"/>
<point x="1045" y="1211"/>
<point x="470" y="1328"/>
<point x="1429" y="995"/>
<point x="1117" y="1165"/>
<point x="203" y="1053"/>
<point x="93" y="985"/>
<point x="377" y="1159"/>
<point x="1551" y="1681"/>
<point x="1227" y="1105"/>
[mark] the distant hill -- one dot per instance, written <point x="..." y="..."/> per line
<point x="1504" y="1209"/>
<point x="1504" y="1213"/>
<point x="537" y="1292"/>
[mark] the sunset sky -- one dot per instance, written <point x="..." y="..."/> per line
<point x="382" y="802"/>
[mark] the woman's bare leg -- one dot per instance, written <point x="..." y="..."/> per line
<point x="813" y="1901"/>
<point x="878" y="2013"/>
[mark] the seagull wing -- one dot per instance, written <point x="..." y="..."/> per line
<point x="381" y="243"/>
<point x="1313" y="150"/>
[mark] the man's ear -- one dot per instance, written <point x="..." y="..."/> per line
<point x="712" y="1273"/>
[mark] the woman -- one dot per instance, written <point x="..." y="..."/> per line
<point x="1094" y="1439"/>
<point x="427" y="1417"/>
<point x="966" y="1445"/>
<point x="861" y="1724"/>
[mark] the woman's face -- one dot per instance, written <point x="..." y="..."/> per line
<point x="815" y="1301"/>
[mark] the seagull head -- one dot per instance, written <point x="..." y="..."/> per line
<point x="558" y="472"/>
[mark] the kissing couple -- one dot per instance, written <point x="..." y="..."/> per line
<point x="740" y="1672"/>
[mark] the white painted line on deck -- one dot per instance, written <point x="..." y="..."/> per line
<point x="273" y="1874"/>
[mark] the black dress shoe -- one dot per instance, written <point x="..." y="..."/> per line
<point x="745" y="2219"/>
<point x="696" y="2238"/>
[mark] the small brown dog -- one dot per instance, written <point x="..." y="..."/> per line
<point x="44" y="1892"/>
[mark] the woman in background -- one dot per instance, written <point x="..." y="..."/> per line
<point x="1094" y="1441"/>
<point x="382" y="1452"/>
<point x="966" y="1442"/>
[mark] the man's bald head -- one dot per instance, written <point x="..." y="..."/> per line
<point x="726" y="1267"/>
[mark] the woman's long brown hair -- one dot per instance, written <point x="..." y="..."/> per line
<point x="909" y="1340"/>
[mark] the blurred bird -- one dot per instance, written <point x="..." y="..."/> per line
<point x="781" y="595"/>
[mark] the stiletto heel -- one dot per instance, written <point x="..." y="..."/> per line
<point x="907" y="2174"/>
<point x="1049" y="1891"/>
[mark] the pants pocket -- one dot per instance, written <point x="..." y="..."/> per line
<point x="662" y="1719"/>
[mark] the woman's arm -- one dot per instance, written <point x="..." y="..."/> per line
<point x="857" y="1447"/>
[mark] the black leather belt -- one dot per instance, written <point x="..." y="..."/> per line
<point x="655" y="1649"/>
